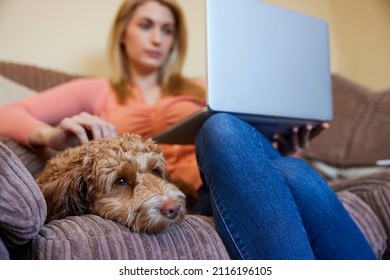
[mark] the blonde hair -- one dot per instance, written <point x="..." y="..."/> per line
<point x="171" y="79"/>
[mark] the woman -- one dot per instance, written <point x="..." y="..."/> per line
<point x="266" y="206"/>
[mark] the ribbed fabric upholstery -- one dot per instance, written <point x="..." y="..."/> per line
<point x="33" y="161"/>
<point x="373" y="190"/>
<point x="33" y="77"/>
<point x="359" y="132"/>
<point x="22" y="206"/>
<point x="91" y="237"/>
<point x="367" y="221"/>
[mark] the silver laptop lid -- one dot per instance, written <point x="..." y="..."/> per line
<point x="266" y="60"/>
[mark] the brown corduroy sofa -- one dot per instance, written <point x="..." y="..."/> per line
<point x="23" y="234"/>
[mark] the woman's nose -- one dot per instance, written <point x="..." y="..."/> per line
<point x="156" y="36"/>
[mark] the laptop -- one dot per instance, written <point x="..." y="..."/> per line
<point x="267" y="65"/>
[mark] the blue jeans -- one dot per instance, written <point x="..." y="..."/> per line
<point x="271" y="207"/>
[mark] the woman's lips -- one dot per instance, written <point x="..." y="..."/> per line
<point x="153" y="54"/>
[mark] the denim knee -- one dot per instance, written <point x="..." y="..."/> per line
<point x="221" y="125"/>
<point x="294" y="167"/>
<point x="301" y="177"/>
<point x="227" y="131"/>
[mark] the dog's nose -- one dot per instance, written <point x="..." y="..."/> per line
<point x="170" y="209"/>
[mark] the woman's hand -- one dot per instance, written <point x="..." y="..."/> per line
<point x="298" y="138"/>
<point x="71" y="132"/>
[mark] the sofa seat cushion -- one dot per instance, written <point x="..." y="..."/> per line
<point x="91" y="237"/>
<point x="11" y="91"/>
<point x="374" y="190"/>
<point x="367" y="221"/>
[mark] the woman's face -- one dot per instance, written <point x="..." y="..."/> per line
<point x="149" y="36"/>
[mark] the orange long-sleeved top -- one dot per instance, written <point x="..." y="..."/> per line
<point x="96" y="96"/>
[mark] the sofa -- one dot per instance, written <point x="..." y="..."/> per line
<point x="351" y="155"/>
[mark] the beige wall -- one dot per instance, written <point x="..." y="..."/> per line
<point x="71" y="35"/>
<point x="361" y="30"/>
<point x="68" y="35"/>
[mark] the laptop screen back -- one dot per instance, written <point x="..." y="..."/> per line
<point x="266" y="60"/>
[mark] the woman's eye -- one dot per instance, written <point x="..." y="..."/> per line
<point x="167" y="30"/>
<point x="121" y="182"/>
<point x="145" y="25"/>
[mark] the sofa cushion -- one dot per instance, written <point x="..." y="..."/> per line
<point x="367" y="221"/>
<point x="92" y="237"/>
<point x="358" y="135"/>
<point x="33" y="77"/>
<point x="22" y="206"/>
<point x="374" y="190"/>
<point x="33" y="161"/>
<point x="11" y="91"/>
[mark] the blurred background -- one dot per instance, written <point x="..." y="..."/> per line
<point x="71" y="35"/>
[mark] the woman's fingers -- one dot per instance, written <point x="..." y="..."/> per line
<point x="87" y="127"/>
<point x="101" y="128"/>
<point x="298" y="138"/>
<point x="108" y="130"/>
<point x="70" y="125"/>
<point x="91" y="123"/>
<point x="304" y="135"/>
<point x="282" y="144"/>
<point x="318" y="129"/>
<point x="295" y="141"/>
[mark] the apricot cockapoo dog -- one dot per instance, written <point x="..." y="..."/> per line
<point x="119" y="178"/>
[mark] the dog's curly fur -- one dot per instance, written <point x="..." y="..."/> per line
<point x="119" y="178"/>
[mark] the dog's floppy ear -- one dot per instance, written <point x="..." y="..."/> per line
<point x="67" y="195"/>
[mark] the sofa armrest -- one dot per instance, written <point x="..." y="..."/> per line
<point x="22" y="205"/>
<point x="91" y="237"/>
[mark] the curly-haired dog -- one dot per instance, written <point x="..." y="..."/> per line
<point x="119" y="178"/>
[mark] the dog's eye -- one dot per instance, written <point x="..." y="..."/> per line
<point x="157" y="172"/>
<point x="121" y="182"/>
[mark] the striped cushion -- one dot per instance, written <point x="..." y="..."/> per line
<point x="91" y="237"/>
<point x="374" y="190"/>
<point x="366" y="220"/>
<point x="359" y="134"/>
<point x="33" y="77"/>
<point x="34" y="162"/>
